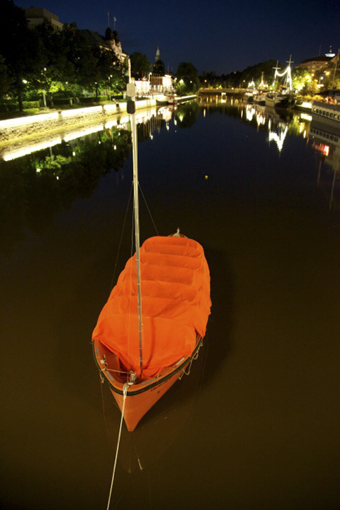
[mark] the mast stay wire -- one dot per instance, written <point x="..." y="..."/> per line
<point x="148" y="209"/>
<point x="121" y="239"/>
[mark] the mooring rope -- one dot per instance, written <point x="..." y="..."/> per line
<point x="125" y="388"/>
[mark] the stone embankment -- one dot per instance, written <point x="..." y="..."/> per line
<point x="55" y="121"/>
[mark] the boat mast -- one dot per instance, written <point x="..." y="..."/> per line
<point x="276" y="69"/>
<point x="289" y="74"/>
<point x="131" y="108"/>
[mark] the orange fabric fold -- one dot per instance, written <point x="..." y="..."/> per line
<point x="175" y="286"/>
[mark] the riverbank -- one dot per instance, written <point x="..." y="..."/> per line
<point x="57" y="120"/>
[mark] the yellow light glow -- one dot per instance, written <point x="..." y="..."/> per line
<point x="81" y="111"/>
<point x="110" y="124"/>
<point x="8" y="156"/>
<point x="110" y="107"/>
<point x="32" y="119"/>
<point x="84" y="132"/>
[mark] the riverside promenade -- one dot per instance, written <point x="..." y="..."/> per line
<point x="59" y="120"/>
<point x="25" y="135"/>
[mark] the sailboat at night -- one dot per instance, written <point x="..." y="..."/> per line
<point x="153" y="324"/>
<point x="286" y="97"/>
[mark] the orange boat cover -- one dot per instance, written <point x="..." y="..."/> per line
<point x="175" y="287"/>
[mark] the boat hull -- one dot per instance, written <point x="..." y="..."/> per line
<point x="259" y="99"/>
<point x="326" y="113"/>
<point x="280" y="100"/>
<point x="141" y="396"/>
<point x="137" y="405"/>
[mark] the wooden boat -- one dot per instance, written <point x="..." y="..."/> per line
<point x="259" y="99"/>
<point x="280" y="100"/>
<point x="153" y="324"/>
<point x="285" y="98"/>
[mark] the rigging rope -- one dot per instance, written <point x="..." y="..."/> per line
<point x="146" y="204"/>
<point x="121" y="238"/>
<point x="125" y="388"/>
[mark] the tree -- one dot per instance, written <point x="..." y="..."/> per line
<point x="187" y="79"/>
<point x="158" y="69"/>
<point x="5" y="81"/>
<point x="140" y="66"/>
<point x="19" y="47"/>
<point x="301" y="79"/>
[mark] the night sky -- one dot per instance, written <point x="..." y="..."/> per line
<point x="216" y="35"/>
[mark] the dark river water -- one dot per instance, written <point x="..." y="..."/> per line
<point x="256" y="424"/>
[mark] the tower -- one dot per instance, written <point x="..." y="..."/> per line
<point x="158" y="55"/>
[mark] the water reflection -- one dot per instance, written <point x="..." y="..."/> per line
<point x="277" y="123"/>
<point x="262" y="423"/>
<point x="35" y="187"/>
<point x="282" y="123"/>
<point x="40" y="177"/>
<point x="326" y="143"/>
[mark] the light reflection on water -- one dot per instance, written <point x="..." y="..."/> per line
<point x="255" y="425"/>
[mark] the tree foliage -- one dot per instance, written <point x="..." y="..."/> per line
<point x="158" y="68"/>
<point x="187" y="79"/>
<point x="140" y="65"/>
<point x="43" y="59"/>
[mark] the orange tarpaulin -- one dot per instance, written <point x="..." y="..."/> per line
<point x="175" y="286"/>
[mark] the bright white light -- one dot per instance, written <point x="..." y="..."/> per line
<point x="8" y="156"/>
<point x="83" y="132"/>
<point x="278" y="139"/>
<point x="32" y="119"/>
<point x="81" y="111"/>
<point x="110" y="107"/>
<point x="260" y="119"/>
<point x="110" y="124"/>
<point x="288" y="75"/>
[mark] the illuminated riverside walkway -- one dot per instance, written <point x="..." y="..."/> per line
<point x="43" y="131"/>
<point x="13" y="129"/>
<point x="25" y="135"/>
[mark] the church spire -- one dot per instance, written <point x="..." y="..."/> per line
<point x="158" y="55"/>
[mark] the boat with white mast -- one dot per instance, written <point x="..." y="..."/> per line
<point x="285" y="97"/>
<point x="152" y="326"/>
